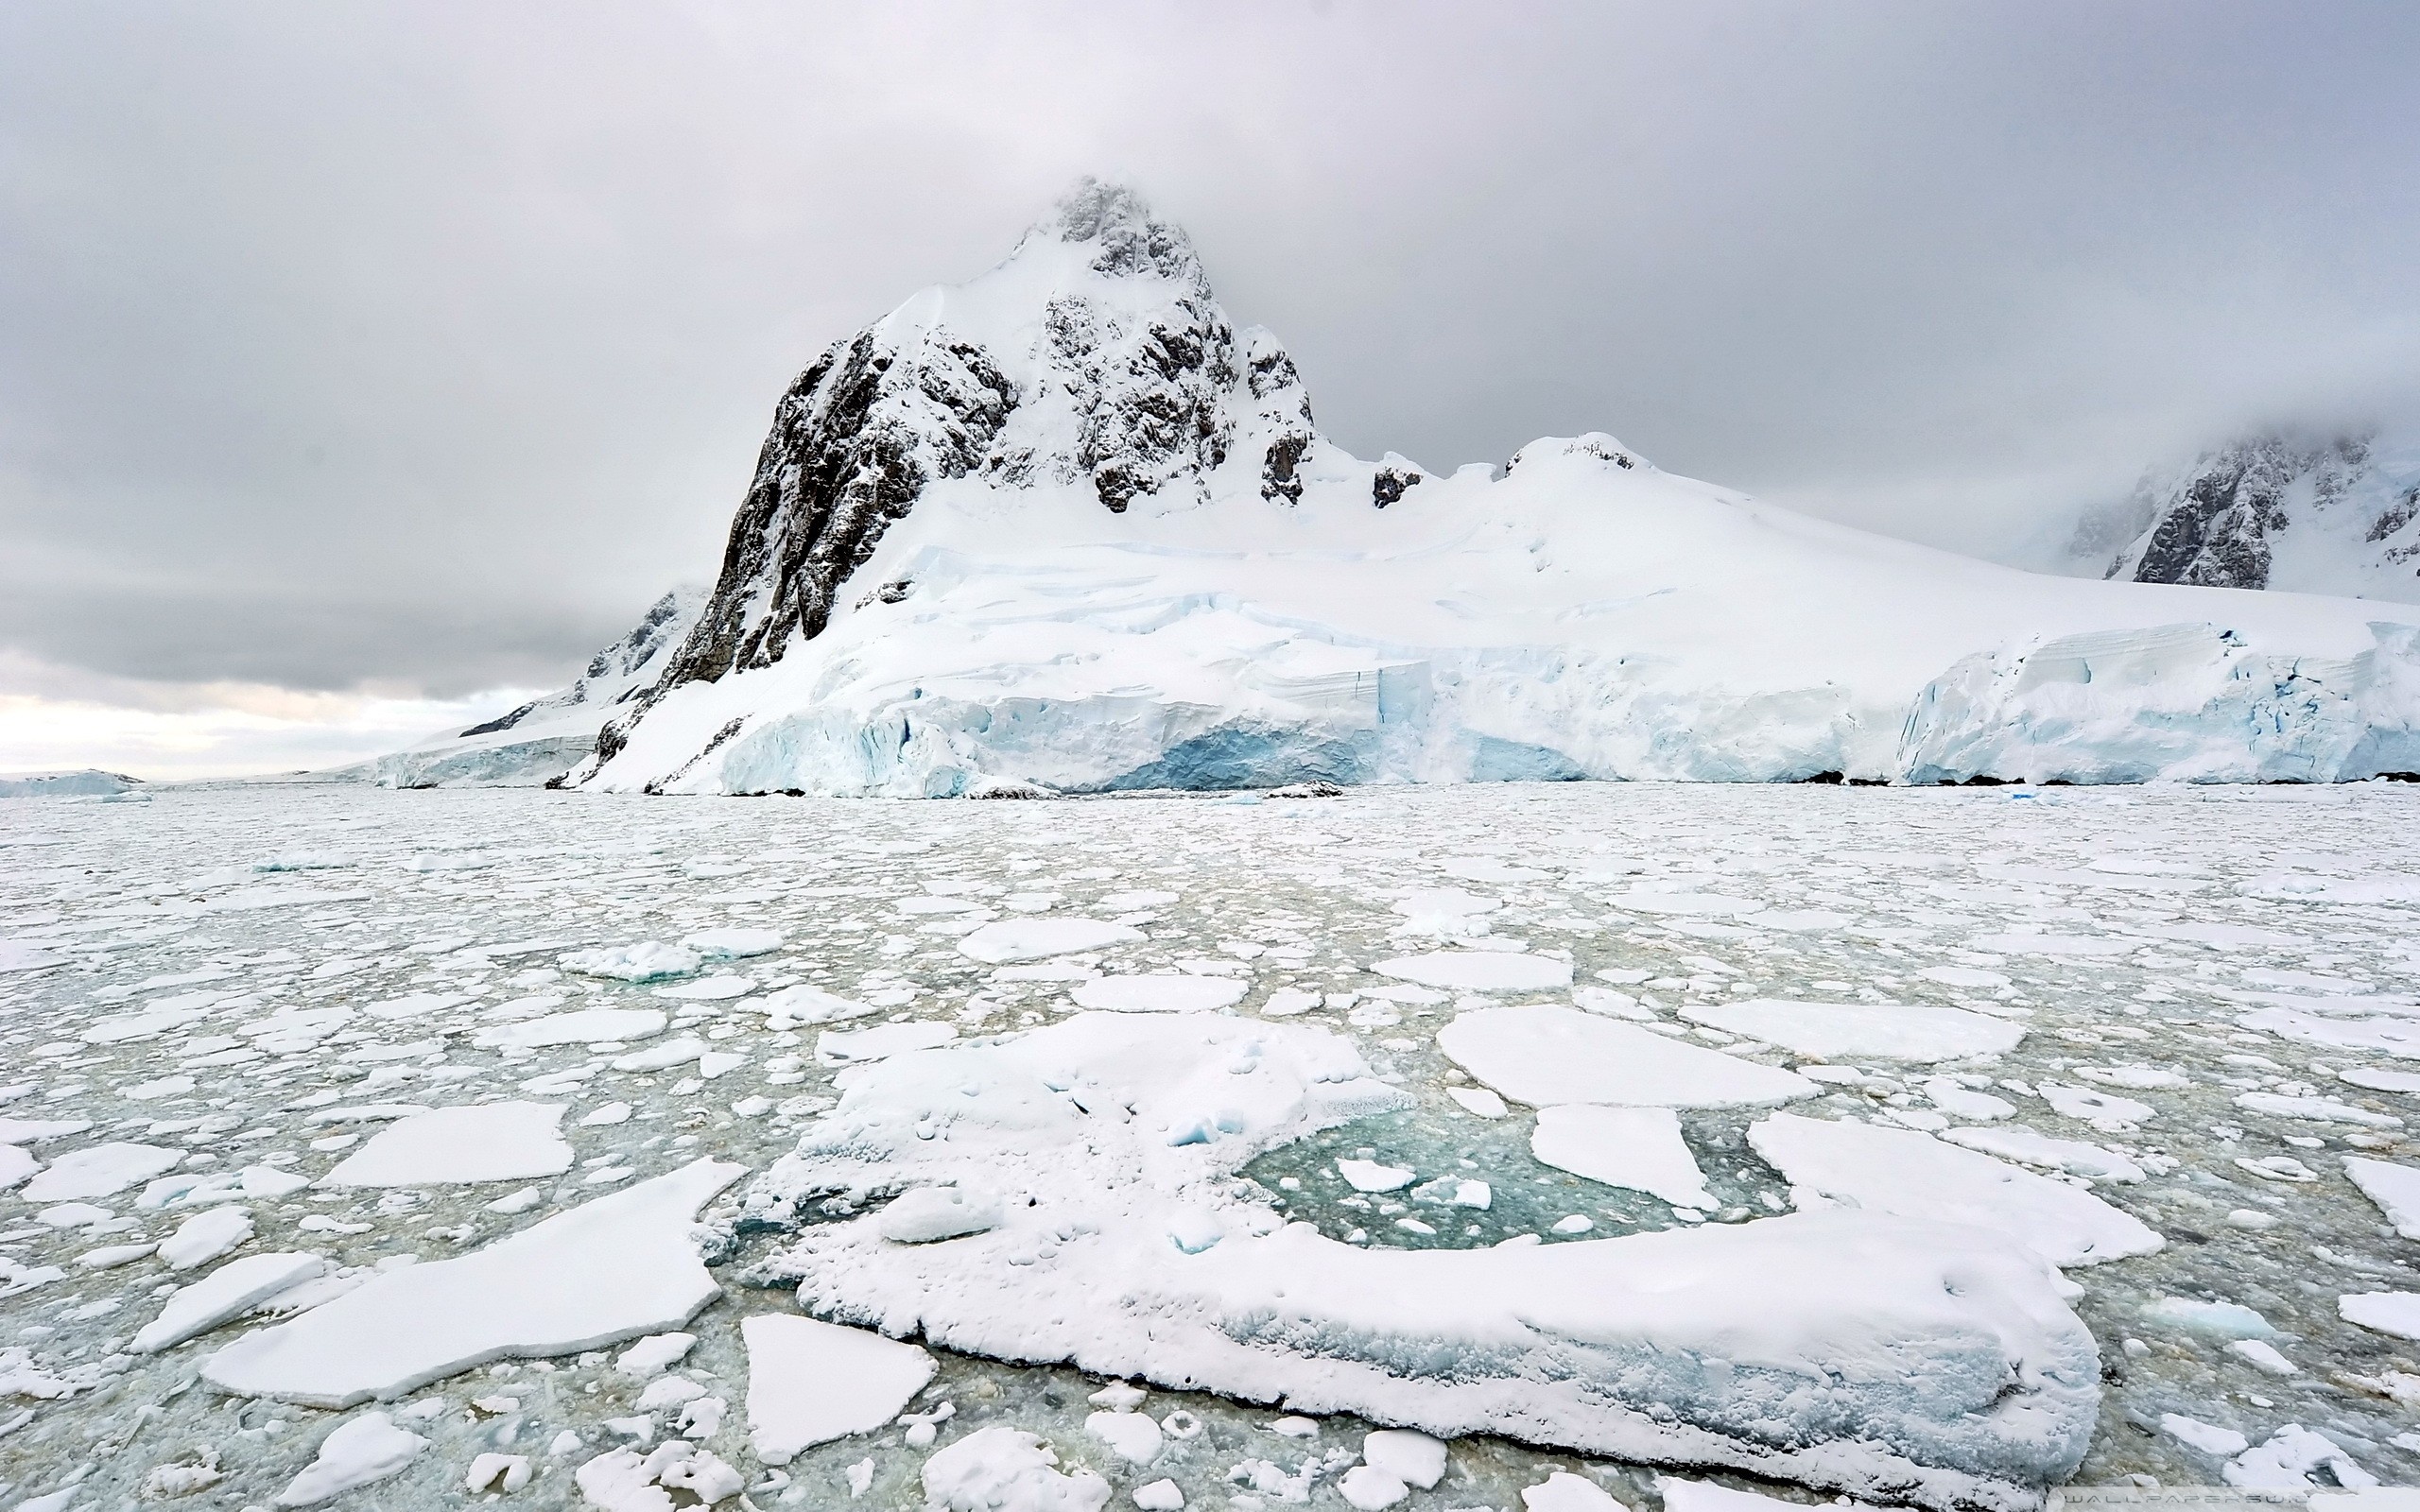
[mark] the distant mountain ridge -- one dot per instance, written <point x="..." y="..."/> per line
<point x="544" y="738"/>
<point x="2297" y="511"/>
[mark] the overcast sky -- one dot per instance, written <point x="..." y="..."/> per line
<point x="361" y="364"/>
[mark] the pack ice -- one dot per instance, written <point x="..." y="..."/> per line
<point x="1927" y="1361"/>
<point x="1068" y="526"/>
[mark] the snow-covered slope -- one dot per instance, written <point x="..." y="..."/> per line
<point x="542" y="739"/>
<point x="2309" y="514"/>
<point x="1067" y="525"/>
<point x="89" y="783"/>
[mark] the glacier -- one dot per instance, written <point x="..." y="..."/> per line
<point x="1066" y="525"/>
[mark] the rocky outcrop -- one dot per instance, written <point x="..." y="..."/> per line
<point x="2303" y="511"/>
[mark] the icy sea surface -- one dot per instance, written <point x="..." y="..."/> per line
<point x="272" y="1056"/>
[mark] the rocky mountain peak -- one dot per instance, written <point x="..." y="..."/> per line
<point x="1094" y="358"/>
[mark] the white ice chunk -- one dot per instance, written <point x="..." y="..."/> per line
<point x="98" y="1171"/>
<point x="732" y="944"/>
<point x="1130" y="1436"/>
<point x="1479" y="971"/>
<point x="646" y="961"/>
<point x="1031" y="939"/>
<point x="1915" y="1174"/>
<point x="1368" y="1489"/>
<point x="1479" y="1102"/>
<point x="2287" y="1459"/>
<point x="1845" y="1031"/>
<point x="205" y="1236"/>
<point x="17" y="1164"/>
<point x="1543" y="1054"/>
<point x="1007" y="1470"/>
<point x="1415" y="1458"/>
<point x="359" y="1452"/>
<point x="834" y="1047"/>
<point x="656" y="1352"/>
<point x="2395" y="1313"/>
<point x="536" y="1293"/>
<point x="810" y="1383"/>
<point x="2394" y="1188"/>
<point x="581" y="1027"/>
<point x="794" y="1005"/>
<point x="2027" y="1148"/>
<point x="1565" y="1492"/>
<point x="232" y="1289"/>
<point x="1160" y="992"/>
<point x="484" y="1142"/>
<point x="2207" y="1437"/>
<point x="1639" y="1148"/>
<point x="1369" y="1175"/>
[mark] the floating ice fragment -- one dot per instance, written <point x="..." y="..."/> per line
<point x="2207" y="1437"/>
<point x="2264" y="1356"/>
<point x="1918" y="1176"/>
<point x="503" y="1472"/>
<point x="1836" y="1031"/>
<point x="1130" y="1436"/>
<point x="1415" y="1458"/>
<point x="1160" y="1496"/>
<point x="364" y="1450"/>
<point x="835" y="1048"/>
<point x="1031" y="939"/>
<point x="809" y="1383"/>
<point x="1477" y="1101"/>
<point x="1007" y="1470"/>
<point x="232" y="1289"/>
<point x="424" y="1322"/>
<point x="1543" y="1054"/>
<point x="2027" y="1148"/>
<point x="1368" y="1489"/>
<point x="648" y="961"/>
<point x="732" y="944"/>
<point x="793" y="1007"/>
<point x="1565" y="1492"/>
<point x="2287" y="1459"/>
<point x="15" y="1165"/>
<point x="581" y="1027"/>
<point x="1164" y="992"/>
<point x="2394" y="1313"/>
<point x="2316" y="1110"/>
<point x="205" y="1236"/>
<point x="1479" y="971"/>
<point x="98" y="1171"/>
<point x="1369" y="1175"/>
<point x="1639" y="1148"/>
<point x="2394" y="1188"/>
<point x="483" y="1141"/>
<point x="657" y="1352"/>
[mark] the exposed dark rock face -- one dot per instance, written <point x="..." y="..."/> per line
<point x="2212" y="526"/>
<point x="1388" y="483"/>
<point x="853" y="442"/>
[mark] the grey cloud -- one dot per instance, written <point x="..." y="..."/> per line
<point x="422" y="344"/>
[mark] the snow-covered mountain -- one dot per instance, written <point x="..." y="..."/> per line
<point x="2305" y="512"/>
<point x="544" y="738"/>
<point x="1067" y="525"/>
